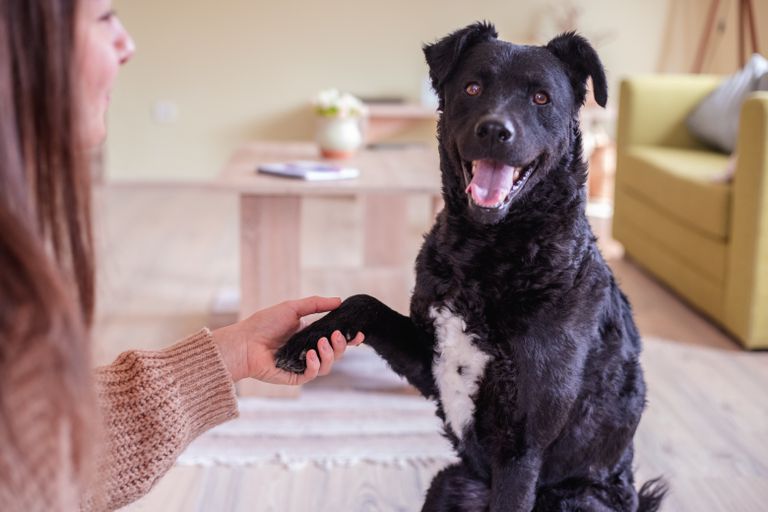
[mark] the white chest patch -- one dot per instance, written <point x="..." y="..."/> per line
<point x="458" y="367"/>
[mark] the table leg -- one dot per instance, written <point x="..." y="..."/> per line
<point x="270" y="234"/>
<point x="385" y="230"/>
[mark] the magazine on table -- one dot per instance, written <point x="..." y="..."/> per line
<point x="309" y="170"/>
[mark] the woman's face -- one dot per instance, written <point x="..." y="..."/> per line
<point x="103" y="45"/>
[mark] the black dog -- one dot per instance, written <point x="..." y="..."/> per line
<point x="517" y="327"/>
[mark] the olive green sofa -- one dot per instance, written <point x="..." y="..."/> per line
<point x="706" y="239"/>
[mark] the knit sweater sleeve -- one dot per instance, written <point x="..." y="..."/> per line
<point x="153" y="403"/>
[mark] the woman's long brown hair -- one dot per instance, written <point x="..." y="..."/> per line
<point x="46" y="254"/>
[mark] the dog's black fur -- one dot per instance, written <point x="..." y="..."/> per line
<point x="561" y="394"/>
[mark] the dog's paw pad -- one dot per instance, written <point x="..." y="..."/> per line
<point x="291" y="364"/>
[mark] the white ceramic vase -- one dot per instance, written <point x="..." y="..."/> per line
<point x="339" y="137"/>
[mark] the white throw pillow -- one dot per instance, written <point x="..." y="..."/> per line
<point x="762" y="84"/>
<point x="716" y="119"/>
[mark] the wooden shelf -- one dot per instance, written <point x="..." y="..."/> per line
<point x="388" y="119"/>
<point x="400" y="111"/>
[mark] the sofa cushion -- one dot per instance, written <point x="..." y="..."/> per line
<point x="716" y="119"/>
<point x="762" y="84"/>
<point x="680" y="182"/>
<point x="701" y="254"/>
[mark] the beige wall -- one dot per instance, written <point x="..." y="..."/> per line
<point x="240" y="69"/>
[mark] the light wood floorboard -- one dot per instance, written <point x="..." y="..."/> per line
<point x="165" y="252"/>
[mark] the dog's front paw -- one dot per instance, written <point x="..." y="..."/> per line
<point x="292" y="356"/>
<point x="347" y="319"/>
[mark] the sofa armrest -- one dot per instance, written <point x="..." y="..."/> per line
<point x="746" y="298"/>
<point x="653" y="109"/>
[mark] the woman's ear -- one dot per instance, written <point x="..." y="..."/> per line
<point x="443" y="55"/>
<point x="582" y="62"/>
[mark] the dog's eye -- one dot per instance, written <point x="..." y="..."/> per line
<point x="541" y="98"/>
<point x="473" y="88"/>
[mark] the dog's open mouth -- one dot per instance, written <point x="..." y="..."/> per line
<point x="492" y="184"/>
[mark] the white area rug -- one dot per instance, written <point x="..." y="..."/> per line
<point x="362" y="412"/>
<point x="327" y="428"/>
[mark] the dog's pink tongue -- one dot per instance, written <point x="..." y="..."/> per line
<point x="491" y="182"/>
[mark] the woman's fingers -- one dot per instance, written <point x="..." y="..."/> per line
<point x="326" y="356"/>
<point x="314" y="304"/>
<point x="357" y="340"/>
<point x="320" y="361"/>
<point x="339" y="344"/>
<point x="312" y="370"/>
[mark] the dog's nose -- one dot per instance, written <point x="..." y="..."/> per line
<point x="496" y="130"/>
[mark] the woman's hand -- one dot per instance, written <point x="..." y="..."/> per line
<point x="248" y="347"/>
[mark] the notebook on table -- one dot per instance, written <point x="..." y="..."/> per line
<point x="309" y="170"/>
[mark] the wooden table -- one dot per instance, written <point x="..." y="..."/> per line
<point x="270" y="211"/>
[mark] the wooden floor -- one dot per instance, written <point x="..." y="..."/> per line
<point x="166" y="253"/>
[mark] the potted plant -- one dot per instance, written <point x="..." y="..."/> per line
<point x="339" y="128"/>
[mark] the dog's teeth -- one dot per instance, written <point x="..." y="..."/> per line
<point x="516" y="176"/>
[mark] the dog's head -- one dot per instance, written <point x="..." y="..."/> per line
<point x="508" y="112"/>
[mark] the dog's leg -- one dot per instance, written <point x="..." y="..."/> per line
<point x="575" y="495"/>
<point x="406" y="348"/>
<point x="513" y="483"/>
<point x="454" y="489"/>
<point x="616" y="493"/>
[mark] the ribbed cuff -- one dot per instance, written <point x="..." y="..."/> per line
<point x="205" y="388"/>
<point x="153" y="404"/>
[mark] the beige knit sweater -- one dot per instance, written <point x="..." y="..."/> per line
<point x="153" y="404"/>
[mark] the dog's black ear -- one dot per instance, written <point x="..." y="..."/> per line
<point x="582" y="62"/>
<point x="443" y="55"/>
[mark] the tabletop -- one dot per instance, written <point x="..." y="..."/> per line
<point x="386" y="170"/>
